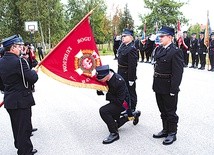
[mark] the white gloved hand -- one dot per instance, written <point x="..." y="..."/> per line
<point x="196" y="53"/>
<point x="204" y="52"/>
<point x="131" y="83"/>
<point x="188" y="52"/>
<point x="171" y="94"/>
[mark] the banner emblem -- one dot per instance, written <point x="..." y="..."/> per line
<point x="86" y="61"/>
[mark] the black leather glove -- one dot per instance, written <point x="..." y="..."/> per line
<point x="99" y="92"/>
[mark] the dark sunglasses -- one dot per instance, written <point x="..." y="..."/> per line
<point x="161" y="36"/>
<point x="124" y="35"/>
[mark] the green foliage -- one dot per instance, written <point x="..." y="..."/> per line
<point x="126" y="20"/>
<point x="49" y="14"/>
<point x="164" y="12"/>
<point x="55" y="20"/>
<point x="77" y="9"/>
<point x="194" y="29"/>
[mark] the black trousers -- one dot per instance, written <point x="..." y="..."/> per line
<point x="211" y="57"/>
<point x="110" y="113"/>
<point x="22" y="127"/>
<point x="41" y="56"/>
<point x="132" y="89"/>
<point x="133" y="94"/>
<point x="142" y="53"/>
<point x="202" y="58"/>
<point x="186" y="58"/>
<point x="167" y="106"/>
<point x="148" y="55"/>
<point x="194" y="59"/>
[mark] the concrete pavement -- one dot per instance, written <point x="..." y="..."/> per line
<point x="68" y="119"/>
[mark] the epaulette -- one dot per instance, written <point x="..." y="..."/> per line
<point x="118" y="77"/>
<point x="133" y="47"/>
<point x="174" y="46"/>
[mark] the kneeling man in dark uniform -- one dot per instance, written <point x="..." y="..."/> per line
<point x="118" y="96"/>
<point x="168" y="70"/>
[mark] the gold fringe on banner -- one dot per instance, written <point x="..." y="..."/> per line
<point x="72" y="83"/>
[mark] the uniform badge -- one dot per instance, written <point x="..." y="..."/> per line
<point x="86" y="61"/>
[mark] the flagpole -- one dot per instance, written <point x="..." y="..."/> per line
<point x="206" y="40"/>
<point x="86" y="16"/>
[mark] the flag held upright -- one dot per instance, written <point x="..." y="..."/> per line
<point x="180" y="38"/>
<point x="207" y="32"/>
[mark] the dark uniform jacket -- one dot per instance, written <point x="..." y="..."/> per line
<point x="193" y="45"/>
<point x="211" y="50"/>
<point x="150" y="45"/>
<point x="187" y="42"/>
<point x="116" y="43"/>
<point x="16" y="95"/>
<point x="168" y="69"/>
<point x="202" y="48"/>
<point x="118" y="91"/>
<point x="127" y="61"/>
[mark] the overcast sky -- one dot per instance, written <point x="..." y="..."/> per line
<point x="195" y="11"/>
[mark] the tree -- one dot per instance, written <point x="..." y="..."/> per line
<point x="194" y="29"/>
<point x="10" y="20"/>
<point x="126" y="20"/>
<point x="164" y="12"/>
<point x="77" y="9"/>
<point x="116" y="21"/>
<point x="49" y="15"/>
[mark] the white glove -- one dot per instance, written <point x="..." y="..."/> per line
<point x="196" y="53"/>
<point x="131" y="83"/>
<point x="171" y="94"/>
<point x="204" y="52"/>
<point x="188" y="52"/>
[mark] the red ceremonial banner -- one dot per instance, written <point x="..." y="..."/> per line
<point x="74" y="59"/>
<point x="180" y="38"/>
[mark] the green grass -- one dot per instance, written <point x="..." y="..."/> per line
<point x="105" y="49"/>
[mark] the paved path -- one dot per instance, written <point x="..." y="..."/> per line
<point x="68" y="119"/>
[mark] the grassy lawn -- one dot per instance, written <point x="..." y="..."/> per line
<point x="105" y="49"/>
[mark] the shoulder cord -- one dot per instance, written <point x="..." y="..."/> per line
<point x="23" y="78"/>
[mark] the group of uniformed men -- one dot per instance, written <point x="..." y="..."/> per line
<point x="192" y="46"/>
<point x="168" y="69"/>
<point x="198" y="51"/>
<point x="168" y="60"/>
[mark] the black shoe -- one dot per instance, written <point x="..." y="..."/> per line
<point x="111" y="138"/>
<point x="34" y="129"/>
<point x="34" y="151"/>
<point x="191" y="67"/>
<point x="169" y="139"/>
<point x="161" y="134"/>
<point x="212" y="69"/>
<point x="136" y="117"/>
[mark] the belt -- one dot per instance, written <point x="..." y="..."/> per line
<point x="163" y="76"/>
<point x="122" y="66"/>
